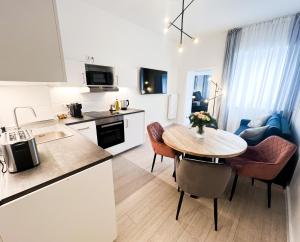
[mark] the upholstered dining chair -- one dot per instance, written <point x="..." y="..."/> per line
<point x="202" y="179"/>
<point x="263" y="162"/>
<point x="155" y="131"/>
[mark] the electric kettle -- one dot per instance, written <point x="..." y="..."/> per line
<point x="124" y="104"/>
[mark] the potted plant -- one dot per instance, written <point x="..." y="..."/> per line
<point x="201" y="119"/>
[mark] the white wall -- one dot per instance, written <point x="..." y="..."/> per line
<point x="208" y="54"/>
<point x="87" y="30"/>
<point x="113" y="41"/>
<point x="294" y="188"/>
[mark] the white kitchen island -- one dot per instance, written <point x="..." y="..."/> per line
<point x="67" y="198"/>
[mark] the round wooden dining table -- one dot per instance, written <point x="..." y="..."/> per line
<point x="216" y="143"/>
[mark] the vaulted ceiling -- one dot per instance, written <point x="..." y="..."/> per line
<point x="203" y="16"/>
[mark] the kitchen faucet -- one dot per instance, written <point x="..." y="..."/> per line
<point x="15" y="114"/>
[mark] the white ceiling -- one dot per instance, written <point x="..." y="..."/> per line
<point x="203" y="16"/>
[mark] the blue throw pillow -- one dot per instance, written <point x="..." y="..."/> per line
<point x="274" y="121"/>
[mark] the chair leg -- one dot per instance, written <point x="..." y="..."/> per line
<point x="161" y="159"/>
<point x="179" y="204"/>
<point x="174" y="172"/>
<point x="252" y="182"/>
<point x="269" y="193"/>
<point x="178" y="189"/>
<point x="154" y="158"/>
<point x="216" y="213"/>
<point x="233" y="186"/>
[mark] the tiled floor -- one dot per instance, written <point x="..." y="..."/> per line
<point x="146" y="206"/>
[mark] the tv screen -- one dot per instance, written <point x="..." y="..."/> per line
<point x="153" y="81"/>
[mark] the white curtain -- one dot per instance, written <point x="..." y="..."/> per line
<point x="257" y="77"/>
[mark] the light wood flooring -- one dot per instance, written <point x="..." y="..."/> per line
<point x="146" y="206"/>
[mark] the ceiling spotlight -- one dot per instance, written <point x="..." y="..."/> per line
<point x="195" y="40"/>
<point x="167" y="20"/>
<point x="166" y="29"/>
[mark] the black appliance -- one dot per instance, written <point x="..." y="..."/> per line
<point x="110" y="131"/>
<point x="153" y="81"/>
<point x="99" y="75"/>
<point x="75" y="110"/>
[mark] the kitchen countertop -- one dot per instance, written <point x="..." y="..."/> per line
<point x="105" y="114"/>
<point x="58" y="159"/>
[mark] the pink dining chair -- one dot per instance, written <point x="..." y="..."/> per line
<point x="263" y="161"/>
<point x="155" y="131"/>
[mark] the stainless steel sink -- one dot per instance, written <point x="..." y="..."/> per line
<point x="51" y="136"/>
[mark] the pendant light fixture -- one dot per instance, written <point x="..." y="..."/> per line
<point x="180" y="29"/>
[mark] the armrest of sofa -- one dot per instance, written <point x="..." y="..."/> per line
<point x="244" y="122"/>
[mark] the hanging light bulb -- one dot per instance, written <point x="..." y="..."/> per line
<point x="196" y="40"/>
<point x="180" y="48"/>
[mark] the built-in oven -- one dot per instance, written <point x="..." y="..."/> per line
<point x="99" y="75"/>
<point x="110" y="131"/>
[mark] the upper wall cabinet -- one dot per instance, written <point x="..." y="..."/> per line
<point x="30" y="48"/>
<point x="75" y="71"/>
<point x="127" y="76"/>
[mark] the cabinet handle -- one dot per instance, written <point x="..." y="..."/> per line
<point x="110" y="125"/>
<point x="126" y="123"/>
<point x="83" y="128"/>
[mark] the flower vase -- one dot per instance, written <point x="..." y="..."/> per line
<point x="200" y="132"/>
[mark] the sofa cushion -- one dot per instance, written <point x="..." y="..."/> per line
<point x="198" y="96"/>
<point x="254" y="133"/>
<point x="259" y="122"/>
<point x="275" y="121"/>
<point x="241" y="129"/>
<point x="274" y="126"/>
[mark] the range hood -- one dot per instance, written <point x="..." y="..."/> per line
<point x="103" y="88"/>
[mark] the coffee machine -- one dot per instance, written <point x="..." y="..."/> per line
<point x="75" y="110"/>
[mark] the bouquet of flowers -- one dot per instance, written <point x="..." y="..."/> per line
<point x="200" y="119"/>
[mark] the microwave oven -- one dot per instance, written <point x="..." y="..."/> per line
<point x="99" y="75"/>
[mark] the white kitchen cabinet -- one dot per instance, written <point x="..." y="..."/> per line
<point x="78" y="208"/>
<point x="30" y="44"/>
<point x="87" y="129"/>
<point x="127" y="76"/>
<point x="75" y="71"/>
<point x="134" y="129"/>
<point x="134" y="126"/>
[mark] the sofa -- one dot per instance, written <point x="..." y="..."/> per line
<point x="198" y="103"/>
<point x="277" y="125"/>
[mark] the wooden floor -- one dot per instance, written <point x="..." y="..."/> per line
<point x="147" y="203"/>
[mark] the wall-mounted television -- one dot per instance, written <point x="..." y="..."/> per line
<point x="153" y="81"/>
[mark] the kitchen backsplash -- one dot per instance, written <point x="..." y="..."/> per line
<point x="47" y="101"/>
<point x="19" y="96"/>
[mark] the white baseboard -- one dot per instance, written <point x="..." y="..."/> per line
<point x="290" y="237"/>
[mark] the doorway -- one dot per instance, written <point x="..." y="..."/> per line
<point x="200" y="93"/>
<point x="197" y="92"/>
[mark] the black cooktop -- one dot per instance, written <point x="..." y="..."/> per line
<point x="102" y="114"/>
